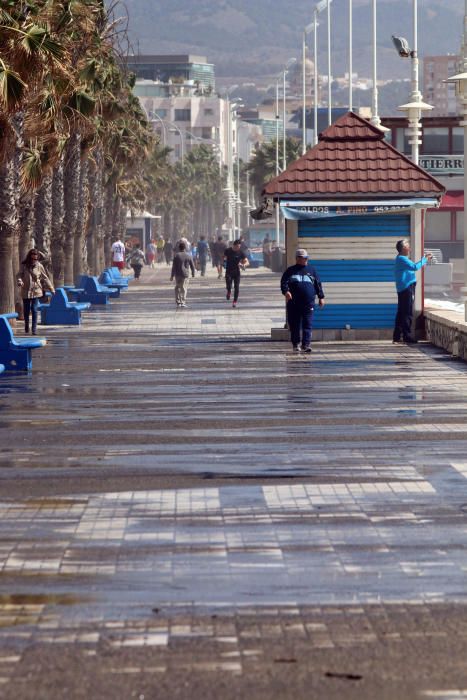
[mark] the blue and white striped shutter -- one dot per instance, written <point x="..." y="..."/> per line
<point x="354" y="257"/>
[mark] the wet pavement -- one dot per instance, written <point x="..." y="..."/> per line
<point x="189" y="509"/>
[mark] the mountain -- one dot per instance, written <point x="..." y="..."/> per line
<point x="256" y="37"/>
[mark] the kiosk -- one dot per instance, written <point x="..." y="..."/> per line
<point x="348" y="200"/>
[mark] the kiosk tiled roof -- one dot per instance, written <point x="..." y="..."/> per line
<point x="352" y="159"/>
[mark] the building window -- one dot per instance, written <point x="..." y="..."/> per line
<point x="457" y="139"/>
<point x="208" y="112"/>
<point x="182" y="115"/>
<point x="436" y="141"/>
<point x="162" y="113"/>
<point x="460" y="226"/>
<point x="438" y="226"/>
<point x="206" y="132"/>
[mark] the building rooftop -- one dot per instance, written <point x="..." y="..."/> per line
<point x="352" y="159"/>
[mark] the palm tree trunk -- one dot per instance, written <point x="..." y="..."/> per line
<point x="111" y="205"/>
<point x="79" y="256"/>
<point x="58" y="214"/>
<point x="43" y="216"/>
<point x="26" y="223"/>
<point x="8" y="225"/>
<point x="71" y="184"/>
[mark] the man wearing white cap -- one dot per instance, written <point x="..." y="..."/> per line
<point x="300" y="285"/>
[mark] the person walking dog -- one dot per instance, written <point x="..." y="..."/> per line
<point x="300" y="285"/>
<point x="34" y="282"/>
<point x="406" y="280"/>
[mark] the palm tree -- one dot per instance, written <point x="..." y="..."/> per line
<point x="262" y="165"/>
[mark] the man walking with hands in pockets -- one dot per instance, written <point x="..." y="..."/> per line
<point x="300" y="285"/>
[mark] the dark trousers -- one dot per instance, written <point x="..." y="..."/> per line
<point x="300" y="320"/>
<point x="229" y="278"/>
<point x="30" y="307"/>
<point x="202" y="264"/>
<point x="404" y="316"/>
<point x="137" y="270"/>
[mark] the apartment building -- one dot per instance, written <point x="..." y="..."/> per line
<point x="439" y="94"/>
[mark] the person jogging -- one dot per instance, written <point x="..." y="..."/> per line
<point x="234" y="260"/>
<point x="300" y="285"/>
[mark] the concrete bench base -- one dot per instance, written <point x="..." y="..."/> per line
<point x="447" y="330"/>
<point x="337" y="334"/>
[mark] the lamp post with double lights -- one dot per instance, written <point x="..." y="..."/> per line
<point x="461" y="80"/>
<point x="308" y="29"/>
<point x="416" y="106"/>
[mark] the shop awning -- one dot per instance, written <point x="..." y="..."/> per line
<point x="299" y="210"/>
<point x="453" y="201"/>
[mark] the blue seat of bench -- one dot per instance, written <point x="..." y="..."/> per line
<point x="2" y="368"/>
<point x="110" y="280"/>
<point x="15" y="353"/>
<point x="60" y="311"/>
<point x="117" y="275"/>
<point x="94" y="292"/>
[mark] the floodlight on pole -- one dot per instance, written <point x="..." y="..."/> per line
<point x="319" y="7"/>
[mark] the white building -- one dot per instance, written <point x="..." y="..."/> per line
<point x="184" y="118"/>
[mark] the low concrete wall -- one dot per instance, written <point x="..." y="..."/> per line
<point x="338" y="334"/>
<point x="447" y="330"/>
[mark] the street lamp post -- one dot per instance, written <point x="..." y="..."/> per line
<point x="306" y="31"/>
<point x="350" y="55"/>
<point x="289" y="63"/>
<point x="158" y="118"/>
<point x="322" y="5"/>
<point x="329" y="66"/>
<point x="182" y="145"/>
<point x="461" y="80"/>
<point x="375" y="119"/>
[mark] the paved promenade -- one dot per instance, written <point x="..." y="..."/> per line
<point x="189" y="510"/>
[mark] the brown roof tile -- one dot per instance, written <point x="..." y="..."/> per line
<point x="353" y="159"/>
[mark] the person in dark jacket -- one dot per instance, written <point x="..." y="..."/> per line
<point x="202" y="254"/>
<point x="300" y="285"/>
<point x="181" y="266"/>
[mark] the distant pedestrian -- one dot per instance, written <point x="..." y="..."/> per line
<point x="118" y="254"/>
<point x="234" y="260"/>
<point x="405" y="279"/>
<point x="203" y="252"/>
<point x="151" y="253"/>
<point x="267" y="249"/>
<point x="300" y="285"/>
<point x="137" y="260"/>
<point x="168" y="251"/>
<point x="212" y="245"/>
<point x="181" y="266"/>
<point x="160" y="245"/>
<point x="34" y="282"/>
<point x="219" y="249"/>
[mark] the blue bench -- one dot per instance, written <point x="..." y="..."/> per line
<point x="16" y="353"/>
<point x="118" y="277"/>
<point x="94" y="292"/>
<point x="106" y="278"/>
<point x="60" y="311"/>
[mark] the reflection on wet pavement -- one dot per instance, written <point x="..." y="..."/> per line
<point x="172" y="477"/>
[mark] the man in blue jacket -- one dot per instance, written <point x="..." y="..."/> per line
<point x="300" y="285"/>
<point x="405" y="278"/>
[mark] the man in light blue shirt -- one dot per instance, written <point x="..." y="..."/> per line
<point x="405" y="278"/>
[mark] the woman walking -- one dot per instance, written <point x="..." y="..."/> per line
<point x="34" y="282"/>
